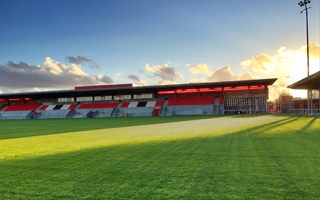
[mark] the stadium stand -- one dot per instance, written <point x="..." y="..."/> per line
<point x="231" y="97"/>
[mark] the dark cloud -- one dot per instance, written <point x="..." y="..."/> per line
<point x="133" y="77"/>
<point x="104" y="79"/>
<point x="136" y="80"/>
<point x="82" y="60"/>
<point x="164" y="72"/>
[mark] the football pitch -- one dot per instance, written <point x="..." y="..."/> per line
<point x="229" y="157"/>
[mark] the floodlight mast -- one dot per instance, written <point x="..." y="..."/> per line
<point x="304" y="4"/>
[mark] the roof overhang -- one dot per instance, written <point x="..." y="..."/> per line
<point x="311" y="82"/>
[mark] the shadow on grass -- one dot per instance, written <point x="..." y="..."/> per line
<point x="27" y="128"/>
<point x="247" y="115"/>
<point x="309" y="124"/>
<point x="272" y="125"/>
<point x="221" y="167"/>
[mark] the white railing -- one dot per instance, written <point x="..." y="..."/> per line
<point x="305" y="112"/>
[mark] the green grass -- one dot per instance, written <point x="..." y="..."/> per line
<point x="261" y="157"/>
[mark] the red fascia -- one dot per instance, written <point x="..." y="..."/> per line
<point x="15" y="99"/>
<point x="238" y="88"/>
<point x="243" y="88"/>
<point x="184" y="91"/>
<point x="258" y="87"/>
<point x="167" y="92"/>
<point x="217" y="89"/>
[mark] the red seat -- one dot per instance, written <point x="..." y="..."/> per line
<point x="196" y="100"/>
<point x="159" y="103"/>
<point x="125" y="105"/>
<point x="44" y="107"/>
<point x="23" y="107"/>
<point x="72" y="106"/>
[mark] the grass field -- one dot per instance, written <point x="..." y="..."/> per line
<point x="231" y="157"/>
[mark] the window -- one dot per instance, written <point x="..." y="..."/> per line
<point x="84" y="99"/>
<point x="142" y="96"/>
<point x="65" y="99"/>
<point x="102" y="98"/>
<point x="122" y="97"/>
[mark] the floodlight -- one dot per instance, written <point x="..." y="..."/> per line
<point x="306" y="8"/>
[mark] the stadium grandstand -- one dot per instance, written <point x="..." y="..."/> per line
<point x="212" y="98"/>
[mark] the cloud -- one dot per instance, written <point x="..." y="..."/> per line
<point x="260" y="62"/>
<point x="199" y="69"/>
<point x="82" y="60"/>
<point x="223" y="74"/>
<point x="134" y="77"/>
<point x="49" y="74"/>
<point x="164" y="73"/>
<point x="314" y="51"/>
<point x="136" y="80"/>
<point x="104" y="79"/>
<point x="246" y="76"/>
<point x="288" y="65"/>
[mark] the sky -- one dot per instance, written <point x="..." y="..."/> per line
<point x="47" y="44"/>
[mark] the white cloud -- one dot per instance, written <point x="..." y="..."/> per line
<point x="199" y="69"/>
<point x="50" y="74"/>
<point x="223" y="74"/>
<point x="288" y="65"/>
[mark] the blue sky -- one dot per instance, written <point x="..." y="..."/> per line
<point x="121" y="36"/>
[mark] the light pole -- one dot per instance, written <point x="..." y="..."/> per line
<point x="304" y="4"/>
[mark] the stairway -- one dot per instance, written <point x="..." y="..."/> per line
<point x="163" y="110"/>
<point x="34" y="114"/>
<point x="115" y="111"/>
<point x="73" y="112"/>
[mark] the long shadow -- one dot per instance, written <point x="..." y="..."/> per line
<point x="221" y="167"/>
<point x="247" y="115"/>
<point x="27" y="128"/>
<point x="309" y="124"/>
<point x="272" y="125"/>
